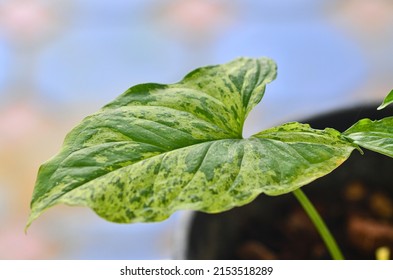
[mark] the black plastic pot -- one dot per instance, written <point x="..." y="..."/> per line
<point x="277" y="227"/>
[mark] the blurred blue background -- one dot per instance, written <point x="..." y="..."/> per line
<point x="61" y="60"/>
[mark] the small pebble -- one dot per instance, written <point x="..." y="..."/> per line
<point x="355" y="191"/>
<point x="381" y="205"/>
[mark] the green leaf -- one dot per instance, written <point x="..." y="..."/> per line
<point x="161" y="148"/>
<point x="387" y="101"/>
<point x="373" y="135"/>
<point x="295" y="155"/>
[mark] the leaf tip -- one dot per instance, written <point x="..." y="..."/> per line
<point x="32" y="217"/>
<point x="28" y="224"/>
<point x="387" y="101"/>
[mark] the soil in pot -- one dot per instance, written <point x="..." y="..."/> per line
<point x="355" y="200"/>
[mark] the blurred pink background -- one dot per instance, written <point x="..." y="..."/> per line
<point x="61" y="60"/>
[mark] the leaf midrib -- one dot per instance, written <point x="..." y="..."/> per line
<point x="148" y="158"/>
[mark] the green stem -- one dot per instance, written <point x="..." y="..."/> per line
<point x="319" y="224"/>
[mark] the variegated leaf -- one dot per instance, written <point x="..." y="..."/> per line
<point x="387" y="101"/>
<point x="373" y="135"/>
<point x="161" y="148"/>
